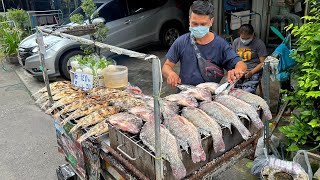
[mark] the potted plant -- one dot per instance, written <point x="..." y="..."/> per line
<point x="9" y="42"/>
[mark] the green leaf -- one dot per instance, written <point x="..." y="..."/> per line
<point x="293" y="147"/>
<point x="314" y="123"/>
<point x="318" y="138"/>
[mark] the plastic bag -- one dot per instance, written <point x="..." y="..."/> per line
<point x="302" y="158"/>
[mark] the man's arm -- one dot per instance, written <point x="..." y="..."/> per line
<point x="237" y="72"/>
<point x="257" y="68"/>
<point x="167" y="70"/>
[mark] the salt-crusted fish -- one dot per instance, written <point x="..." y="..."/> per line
<point x="225" y="117"/>
<point x="206" y="125"/>
<point x="185" y="132"/>
<point x="254" y="100"/>
<point x="209" y="86"/>
<point x="241" y="108"/>
<point x="182" y="99"/>
<point x="198" y="93"/>
<point x="126" y="122"/>
<point x="169" y="148"/>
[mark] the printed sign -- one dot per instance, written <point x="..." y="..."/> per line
<point x="85" y="81"/>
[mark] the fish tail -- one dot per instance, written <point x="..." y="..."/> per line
<point x="244" y="132"/>
<point x="218" y="145"/>
<point x="178" y="170"/>
<point x="84" y="137"/>
<point x="197" y="153"/>
<point x="75" y="127"/>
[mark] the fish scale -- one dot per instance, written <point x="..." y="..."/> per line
<point x="198" y="93"/>
<point x="240" y="107"/>
<point x="95" y="117"/>
<point x="207" y="125"/>
<point x="169" y="147"/>
<point x="224" y="115"/>
<point x="253" y="100"/>
<point x="126" y="122"/>
<point x="182" y="99"/>
<point x="185" y="132"/>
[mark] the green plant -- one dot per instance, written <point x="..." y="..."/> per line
<point x="9" y="41"/>
<point x="19" y="16"/>
<point x="305" y="129"/>
<point x="89" y="9"/>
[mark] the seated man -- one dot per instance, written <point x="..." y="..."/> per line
<point x="253" y="52"/>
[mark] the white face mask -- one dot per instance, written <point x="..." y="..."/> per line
<point x="246" y="41"/>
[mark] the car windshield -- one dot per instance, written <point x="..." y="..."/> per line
<point x="79" y="10"/>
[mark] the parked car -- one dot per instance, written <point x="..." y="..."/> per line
<point x="131" y="24"/>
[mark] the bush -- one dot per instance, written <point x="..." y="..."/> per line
<point x="9" y="41"/>
<point x="21" y="19"/>
<point x="306" y="98"/>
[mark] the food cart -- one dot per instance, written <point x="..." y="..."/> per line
<point x="121" y="155"/>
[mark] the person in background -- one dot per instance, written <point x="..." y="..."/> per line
<point x="211" y="47"/>
<point x="253" y="52"/>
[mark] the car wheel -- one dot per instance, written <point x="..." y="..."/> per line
<point x="169" y="33"/>
<point x="64" y="65"/>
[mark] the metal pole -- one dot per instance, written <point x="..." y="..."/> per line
<point x="156" y="74"/>
<point x="42" y="51"/>
<point x="4" y="8"/>
<point x="266" y="81"/>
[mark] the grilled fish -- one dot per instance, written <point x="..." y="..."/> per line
<point x="74" y="106"/>
<point x="182" y="99"/>
<point x="206" y="125"/>
<point x="186" y="134"/>
<point x="225" y="117"/>
<point x="65" y="101"/>
<point x="127" y="102"/>
<point x="54" y="86"/>
<point x="143" y="112"/>
<point x="84" y="111"/>
<point x="240" y="108"/>
<point x="98" y="129"/>
<point x="95" y="117"/>
<point x="254" y="100"/>
<point x="126" y="122"/>
<point x="57" y="96"/>
<point x="198" y="93"/>
<point x="169" y="147"/>
<point x="209" y="86"/>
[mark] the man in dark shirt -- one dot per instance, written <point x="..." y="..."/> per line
<point x="212" y="48"/>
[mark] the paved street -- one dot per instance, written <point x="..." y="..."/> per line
<point x="28" y="148"/>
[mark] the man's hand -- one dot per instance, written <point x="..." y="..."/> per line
<point x="234" y="75"/>
<point x="173" y="79"/>
<point x="237" y="72"/>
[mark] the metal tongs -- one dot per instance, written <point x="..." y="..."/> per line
<point x="225" y="87"/>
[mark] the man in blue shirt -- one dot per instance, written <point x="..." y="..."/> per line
<point x="212" y="48"/>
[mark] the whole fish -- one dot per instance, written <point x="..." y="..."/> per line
<point x="74" y="106"/>
<point x="209" y="86"/>
<point x="143" y="112"/>
<point x="182" y="99"/>
<point x="169" y="147"/>
<point x="127" y="102"/>
<point x="64" y="101"/>
<point x="206" y="125"/>
<point x="198" y="93"/>
<point x="95" y="117"/>
<point x="126" y="122"/>
<point x="84" y="111"/>
<point x="225" y="116"/>
<point x="98" y="129"/>
<point x="240" y="108"/>
<point x="63" y="93"/>
<point x="186" y="134"/>
<point x="54" y="86"/>
<point x="254" y="100"/>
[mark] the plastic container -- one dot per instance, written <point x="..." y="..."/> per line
<point x="115" y="76"/>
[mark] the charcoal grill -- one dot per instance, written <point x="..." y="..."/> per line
<point x="139" y="155"/>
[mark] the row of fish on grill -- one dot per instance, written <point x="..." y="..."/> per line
<point x="185" y="116"/>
